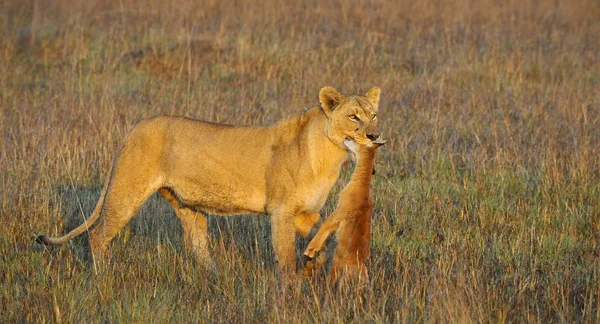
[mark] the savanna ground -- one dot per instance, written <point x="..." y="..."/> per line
<point x="487" y="193"/>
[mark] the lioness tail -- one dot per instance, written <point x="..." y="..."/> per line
<point x="43" y="239"/>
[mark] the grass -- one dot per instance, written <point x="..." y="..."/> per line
<point x="487" y="191"/>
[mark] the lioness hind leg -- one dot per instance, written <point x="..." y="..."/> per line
<point x="118" y="210"/>
<point x="195" y="229"/>
<point x="127" y="190"/>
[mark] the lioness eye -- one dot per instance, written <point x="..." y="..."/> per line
<point x="353" y="118"/>
<point x="374" y="117"/>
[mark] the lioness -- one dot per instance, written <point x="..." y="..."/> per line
<point x="285" y="170"/>
<point x="352" y="219"/>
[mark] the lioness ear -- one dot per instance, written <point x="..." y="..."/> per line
<point x="373" y="96"/>
<point x="329" y="98"/>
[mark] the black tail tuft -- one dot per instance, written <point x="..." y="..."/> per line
<point x="41" y="239"/>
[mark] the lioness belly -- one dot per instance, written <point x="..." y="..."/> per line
<point x="224" y="198"/>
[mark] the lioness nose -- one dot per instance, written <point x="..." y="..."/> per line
<point x="373" y="136"/>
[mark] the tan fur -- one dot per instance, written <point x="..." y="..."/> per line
<point x="352" y="219"/>
<point x="285" y="170"/>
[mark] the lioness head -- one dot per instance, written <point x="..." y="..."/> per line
<point x="352" y="117"/>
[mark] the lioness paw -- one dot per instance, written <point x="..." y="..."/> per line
<point x="311" y="253"/>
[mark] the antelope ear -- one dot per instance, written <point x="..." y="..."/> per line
<point x="373" y="96"/>
<point x="378" y="142"/>
<point x="329" y="98"/>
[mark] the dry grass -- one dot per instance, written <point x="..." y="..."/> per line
<point x="488" y="194"/>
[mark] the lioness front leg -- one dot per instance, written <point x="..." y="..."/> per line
<point x="315" y="260"/>
<point x="284" y="238"/>
<point x="316" y="244"/>
<point x="305" y="222"/>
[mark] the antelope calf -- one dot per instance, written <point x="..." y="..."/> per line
<point x="351" y="219"/>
